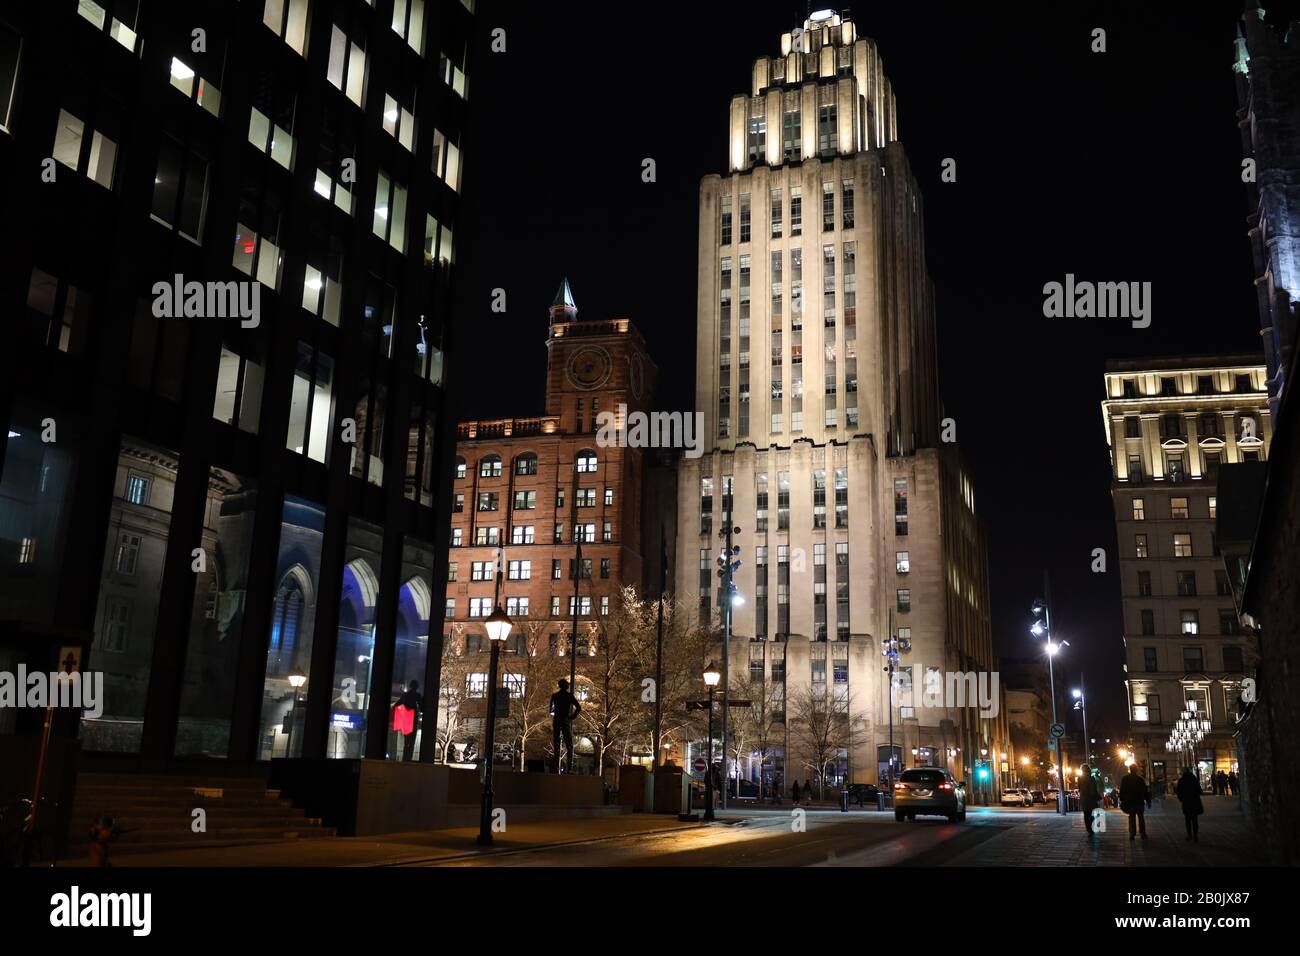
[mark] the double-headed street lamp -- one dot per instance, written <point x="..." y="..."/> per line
<point x="498" y="626"/>
<point x="1042" y="627"/>
<point x="711" y="677"/>
<point x="1081" y="705"/>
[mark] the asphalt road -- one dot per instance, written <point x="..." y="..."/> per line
<point x="771" y="838"/>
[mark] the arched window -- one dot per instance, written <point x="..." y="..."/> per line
<point x="526" y="464"/>
<point x="284" y="625"/>
<point x="490" y="467"/>
<point x="587" y="461"/>
<point x="460" y="467"/>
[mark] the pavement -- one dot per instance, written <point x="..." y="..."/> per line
<point x="773" y="836"/>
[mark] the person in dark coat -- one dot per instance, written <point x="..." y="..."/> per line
<point x="1134" y="798"/>
<point x="1189" y="794"/>
<point x="794" y="792"/>
<point x="1089" y="795"/>
<point x="1232" y="783"/>
<point x="564" y="711"/>
<point x="411" y="700"/>
<point x="807" y="790"/>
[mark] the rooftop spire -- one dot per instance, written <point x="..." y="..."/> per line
<point x="563" y="309"/>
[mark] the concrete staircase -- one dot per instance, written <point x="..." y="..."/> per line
<point x="156" y="813"/>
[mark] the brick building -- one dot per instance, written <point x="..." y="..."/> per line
<point x="534" y="492"/>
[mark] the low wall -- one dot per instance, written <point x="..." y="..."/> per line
<point x="367" y="797"/>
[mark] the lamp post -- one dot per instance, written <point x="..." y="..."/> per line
<point x="728" y="564"/>
<point x="498" y="627"/>
<point x="296" y="679"/>
<point x="711" y="677"/>
<point x="1042" y="627"/>
<point x="1081" y="703"/>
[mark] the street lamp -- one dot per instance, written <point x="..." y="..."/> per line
<point x="1042" y="626"/>
<point x="1081" y="704"/>
<point x="711" y="677"/>
<point x="498" y="625"/>
<point x="296" y="679"/>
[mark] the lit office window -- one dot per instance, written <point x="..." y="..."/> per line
<point x="398" y="122"/>
<point x="287" y="19"/>
<point x="446" y="160"/>
<point x="346" y="70"/>
<point x="195" y="87"/>
<point x="408" y="22"/>
<point x="390" y="212"/>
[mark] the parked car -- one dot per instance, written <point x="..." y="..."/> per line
<point x="929" y="791"/>
<point x="863" y="793"/>
<point x="1037" y="796"/>
<point x="1013" y="797"/>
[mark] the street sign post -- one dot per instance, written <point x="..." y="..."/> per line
<point x="1058" y="731"/>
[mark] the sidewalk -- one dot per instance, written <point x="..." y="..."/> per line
<point x="401" y="848"/>
<point x="1053" y="840"/>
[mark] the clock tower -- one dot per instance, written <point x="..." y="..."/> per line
<point x="593" y="366"/>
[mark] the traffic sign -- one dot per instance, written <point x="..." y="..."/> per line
<point x="1058" y="731"/>
<point x="699" y="765"/>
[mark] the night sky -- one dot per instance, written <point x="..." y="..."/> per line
<point x="1118" y="166"/>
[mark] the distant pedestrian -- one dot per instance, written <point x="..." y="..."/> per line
<point x="1189" y="794"/>
<point x="1089" y="795"/>
<point x="1232" y="783"/>
<point x="1134" y="799"/>
<point x="807" y="792"/>
<point x="794" y="793"/>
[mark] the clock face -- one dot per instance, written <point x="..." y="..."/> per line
<point x="636" y="376"/>
<point x="589" y="367"/>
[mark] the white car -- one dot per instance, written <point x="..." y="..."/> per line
<point x="1016" y="797"/>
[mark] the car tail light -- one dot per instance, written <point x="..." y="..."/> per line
<point x="899" y="786"/>
<point x="946" y="786"/>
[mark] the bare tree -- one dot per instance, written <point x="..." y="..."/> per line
<point x="821" y="727"/>
<point x="756" y="729"/>
<point x="452" y="695"/>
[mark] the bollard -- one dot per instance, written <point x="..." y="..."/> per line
<point x="844" y="801"/>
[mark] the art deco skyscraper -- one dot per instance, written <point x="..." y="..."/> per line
<point x="815" y="371"/>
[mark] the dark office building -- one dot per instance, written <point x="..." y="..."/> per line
<point x="226" y="306"/>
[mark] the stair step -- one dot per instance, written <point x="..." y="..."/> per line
<point x="155" y="836"/>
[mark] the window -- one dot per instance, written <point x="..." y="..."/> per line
<point x="1191" y="621"/>
<point x="389" y="222"/>
<point x="791" y="133"/>
<point x="1187" y="583"/>
<point x="1174" y="468"/>
<point x="137" y="489"/>
<point x="117" y="624"/>
<point x="476" y="685"/>
<point x="1182" y="545"/>
<point x="490" y="536"/>
<point x="724" y="221"/>
<point x="1228" y="621"/>
<point x="523" y="534"/>
<point x="517" y="606"/>
<point x="556" y="573"/>
<point x="1149" y="660"/>
<point x="458" y="503"/>
<point x="796" y="215"/>
<point x="526" y="465"/>
<point x="1135" y="468"/>
<point x="121" y="30"/>
<point x="1178" y="507"/>
<point x="585" y="498"/>
<point x="480" y="607"/>
<point x="1221" y="585"/>
<point x="526" y="500"/>
<point x="775" y="204"/>
<point x="604" y="567"/>
<point x="453" y="569"/>
<point x="481" y="571"/>
<point x="257" y="255"/>
<point x="398" y="122"/>
<point x="609" y="497"/>
<point x="490" y="467"/>
<point x="69" y="145"/>
<point x="828" y="209"/>
<point x="900" y="506"/>
<point x="827" y="135"/>
<point x="457" y="537"/>
<point x="1140" y="546"/>
<point x="902" y="562"/>
<point x="1132" y="426"/>
<point x="1148" y="622"/>
<point x="446" y="160"/>
<point x="904" y="600"/>
<point x="607" y="532"/>
<point x="1144" y="583"/>
<point x="604" y="606"/>
<point x="408" y="23"/>
<point x="582" y="604"/>
<point x="453" y="74"/>
<point x="321" y="292"/>
<point x="461" y="470"/>
<point x="127" y="554"/>
<point x="311" y="408"/>
<point x="1139" y="509"/>
<point x="1193" y="660"/>
<point x="180" y="189"/>
<point x="1213" y="504"/>
<point x="744" y="217"/>
<point x="195" y="87"/>
<point x="558" y="538"/>
<point x="288" y="20"/>
<point x="586" y="463"/>
<point x="555" y="606"/>
<point x="347" y="66"/>
<point x="270" y="124"/>
<point x="586" y="533"/>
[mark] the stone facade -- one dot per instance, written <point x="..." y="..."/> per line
<point x="815" y="373"/>
<point x="1170" y="425"/>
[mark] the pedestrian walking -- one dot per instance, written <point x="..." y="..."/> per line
<point x="1089" y="795"/>
<point x="807" y="791"/>
<point x="1232" y="783"/>
<point x="1134" y="799"/>
<point x="1189" y="794"/>
<point x="794" y="792"/>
